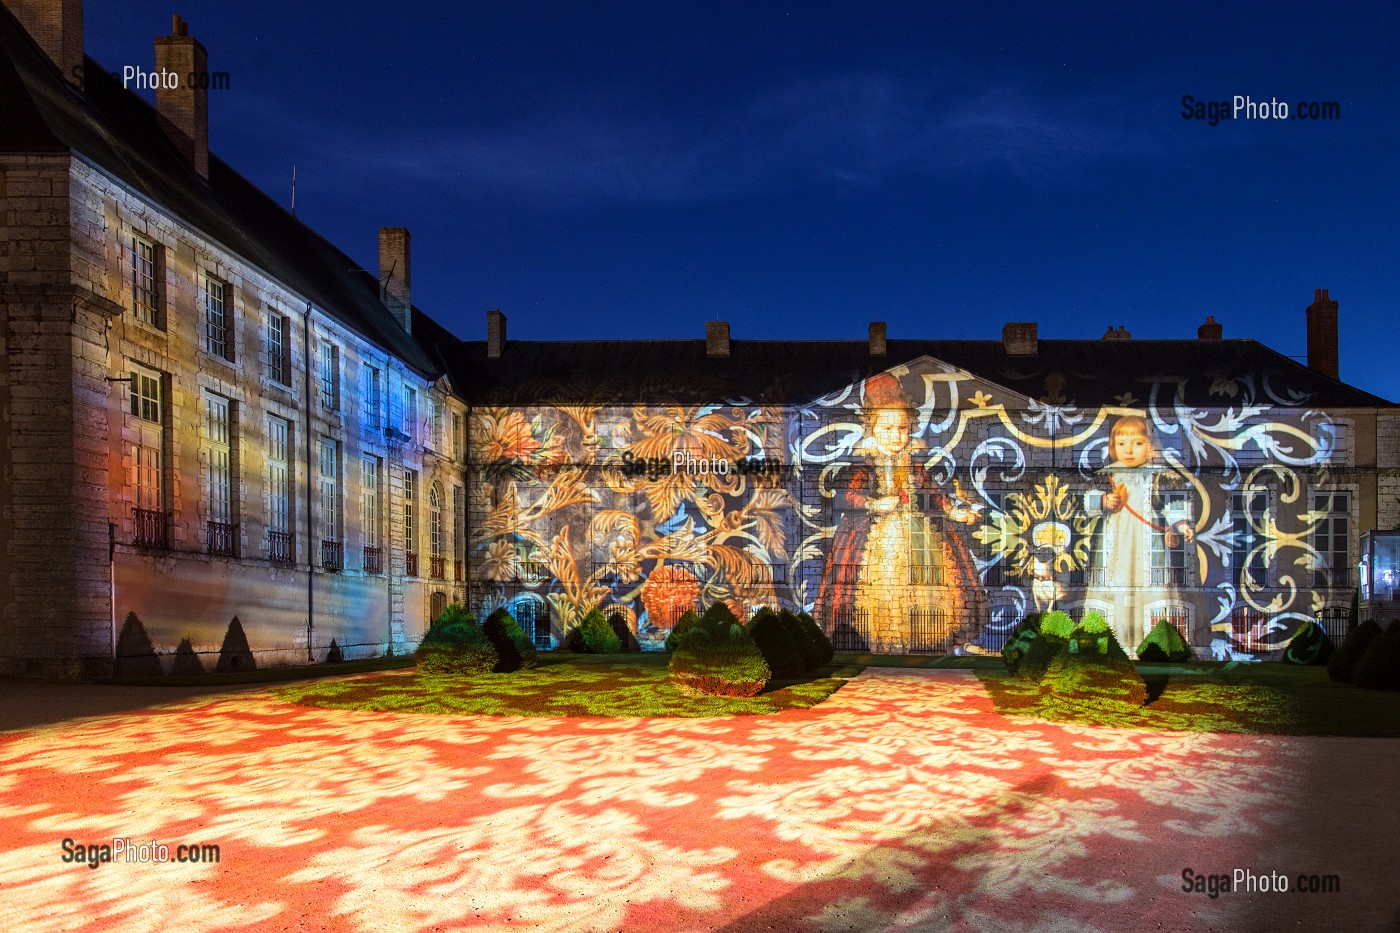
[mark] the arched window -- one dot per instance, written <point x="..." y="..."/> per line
<point x="435" y="530"/>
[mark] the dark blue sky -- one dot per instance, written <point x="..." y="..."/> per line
<point x="634" y="169"/>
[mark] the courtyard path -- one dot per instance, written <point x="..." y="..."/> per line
<point x="905" y="802"/>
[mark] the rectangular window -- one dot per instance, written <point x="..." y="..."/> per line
<point x="220" y="482"/>
<point x="370" y="398"/>
<point x="459" y="522"/>
<point x="329" y="485"/>
<point x="147" y="477"/>
<point x="278" y="475"/>
<point x="1332" y="539"/>
<point x="328" y="375"/>
<point x="279" y="348"/>
<point x="146" y="275"/>
<point x="218" y="319"/>
<point x="1169" y="562"/>
<point x="145" y="395"/>
<point x="1249" y="512"/>
<point x="459" y="440"/>
<point x="369" y="500"/>
<point x="410" y="413"/>
<point x="410" y="513"/>
<point x="436" y="438"/>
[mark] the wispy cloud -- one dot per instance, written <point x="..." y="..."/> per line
<point x="854" y="129"/>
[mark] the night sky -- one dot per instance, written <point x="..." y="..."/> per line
<point x="611" y="170"/>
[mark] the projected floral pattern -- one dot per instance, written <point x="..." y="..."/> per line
<point x="903" y="801"/>
<point x="980" y="505"/>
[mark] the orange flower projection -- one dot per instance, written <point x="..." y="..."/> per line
<point x="668" y="594"/>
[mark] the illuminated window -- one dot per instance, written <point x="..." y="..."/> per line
<point x="459" y="522"/>
<point x="328" y="375"/>
<point x="410" y="412"/>
<point x="278" y="475"/>
<point x="146" y="477"/>
<point x="329" y="486"/>
<point x="279" y="348"/>
<point x="145" y="395"/>
<point x="410" y="514"/>
<point x="146" y="275"/>
<point x="218" y="319"/>
<point x="1331" y="539"/>
<point x="435" y="529"/>
<point x="217" y="410"/>
<point x="370" y="397"/>
<point x="1169" y="562"/>
<point x="1248" y="511"/>
<point x="369" y="500"/>
<point x="459" y="440"/>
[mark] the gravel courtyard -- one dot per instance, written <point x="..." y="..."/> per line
<point x="904" y="802"/>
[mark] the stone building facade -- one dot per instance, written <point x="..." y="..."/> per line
<point x="209" y="413"/>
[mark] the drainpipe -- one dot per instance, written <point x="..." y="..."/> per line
<point x="310" y="528"/>
<point x="112" y="584"/>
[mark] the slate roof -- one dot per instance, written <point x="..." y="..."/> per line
<point x="1095" y="372"/>
<point x="117" y="130"/>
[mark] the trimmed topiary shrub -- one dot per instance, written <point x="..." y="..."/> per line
<point x="1164" y="643"/>
<point x="455" y="644"/>
<point x="815" y="634"/>
<point x="1343" y="661"/>
<point x="234" y="654"/>
<point x="684" y="624"/>
<point x="782" y="653"/>
<point x="333" y="654"/>
<point x="1057" y="624"/>
<point x="1310" y="646"/>
<point x="186" y="660"/>
<point x="809" y="651"/>
<point x="1092" y="637"/>
<point x="514" y="649"/>
<point x="626" y="638"/>
<point x="1090" y="680"/>
<point x="1379" y="667"/>
<point x="594" y="636"/>
<point x="136" y="655"/>
<point x="1020" y="642"/>
<point x="719" y="658"/>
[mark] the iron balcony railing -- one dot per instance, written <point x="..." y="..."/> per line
<point x="411" y="562"/>
<point x="437" y="567"/>
<point x="374" y="559"/>
<point x="280" y="547"/>
<point x="151" y="528"/>
<point x="221" y="539"/>
<point x="332" y="555"/>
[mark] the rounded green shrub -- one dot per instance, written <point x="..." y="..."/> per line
<point x="1343" y="661"/>
<point x="809" y="651"/>
<point x="782" y="653"/>
<point x="594" y="635"/>
<point x="684" y="624"/>
<point x="1057" y="624"/>
<point x="1020" y="642"/>
<point x="815" y="634"/>
<point x="719" y="658"/>
<point x="1092" y="637"/>
<point x="455" y="644"/>
<point x="1164" y="643"/>
<point x="514" y="649"/>
<point x="1310" y="646"/>
<point x="1379" y="667"/>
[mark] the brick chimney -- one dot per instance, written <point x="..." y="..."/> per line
<point x="1210" y="330"/>
<point x="877" y="339"/>
<point x="183" y="111"/>
<point x="716" y="338"/>
<point x="495" y="334"/>
<point x="1121" y="333"/>
<point x="394" y="278"/>
<point x="1020" y="338"/>
<point x="1322" y="334"/>
<point x="57" y="26"/>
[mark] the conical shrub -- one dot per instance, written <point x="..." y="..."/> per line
<point x="513" y="647"/>
<point x="455" y="644"/>
<point x="594" y="635"/>
<point x="1343" y="661"/>
<point x="1164" y="643"/>
<point x="775" y="642"/>
<point x="683" y="625"/>
<point x="719" y="658"/>
<point x="186" y="659"/>
<point x="1379" y="667"/>
<point x="1310" y="646"/>
<point x="333" y="654"/>
<point x="234" y="654"/>
<point x="818" y="637"/>
<point x="136" y="655"/>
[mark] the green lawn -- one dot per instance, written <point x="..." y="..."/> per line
<point x="1265" y="698"/>
<point x="564" y="684"/>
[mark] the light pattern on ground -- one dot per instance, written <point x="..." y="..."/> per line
<point x="903" y="802"/>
